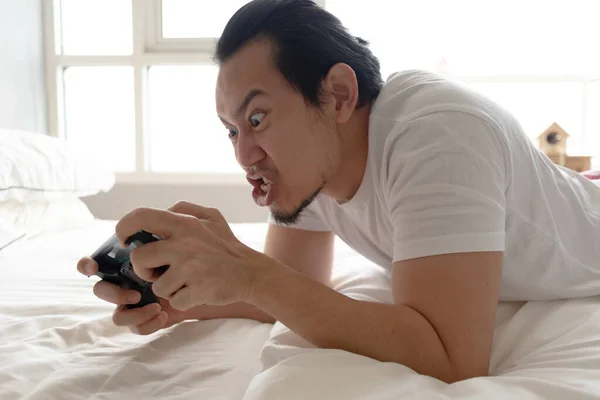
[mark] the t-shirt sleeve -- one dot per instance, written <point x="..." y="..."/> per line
<point x="310" y="219"/>
<point x="445" y="184"/>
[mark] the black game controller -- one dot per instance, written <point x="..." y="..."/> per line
<point x="115" y="266"/>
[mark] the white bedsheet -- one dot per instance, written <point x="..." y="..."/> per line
<point x="57" y="340"/>
<point x="542" y="350"/>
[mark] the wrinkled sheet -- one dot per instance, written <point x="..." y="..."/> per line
<point x="57" y="340"/>
<point x="542" y="350"/>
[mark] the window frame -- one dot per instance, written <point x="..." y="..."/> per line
<point x="147" y="51"/>
<point x="150" y="48"/>
<point x="157" y="43"/>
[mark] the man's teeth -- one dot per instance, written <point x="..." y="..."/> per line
<point x="265" y="187"/>
<point x="266" y="181"/>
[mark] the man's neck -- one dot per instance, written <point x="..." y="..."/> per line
<point x="344" y="183"/>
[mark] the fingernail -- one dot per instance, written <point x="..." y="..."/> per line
<point x="135" y="297"/>
<point x="89" y="269"/>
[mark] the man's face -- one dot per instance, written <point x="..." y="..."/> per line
<point x="277" y="136"/>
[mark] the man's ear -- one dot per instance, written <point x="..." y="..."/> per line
<point x="342" y="87"/>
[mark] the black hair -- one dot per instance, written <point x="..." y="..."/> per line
<point x="308" y="41"/>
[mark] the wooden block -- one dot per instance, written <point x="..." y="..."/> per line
<point x="578" y="163"/>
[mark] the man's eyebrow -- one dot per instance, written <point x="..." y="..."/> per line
<point x="251" y="95"/>
<point x="242" y="107"/>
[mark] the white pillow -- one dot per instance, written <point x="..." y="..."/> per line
<point x="23" y="220"/>
<point x="38" y="167"/>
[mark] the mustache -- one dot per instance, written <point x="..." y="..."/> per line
<point x="256" y="170"/>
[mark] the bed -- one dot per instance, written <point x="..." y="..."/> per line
<point x="57" y="340"/>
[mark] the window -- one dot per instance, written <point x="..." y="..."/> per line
<point x="135" y="79"/>
<point x="85" y="27"/>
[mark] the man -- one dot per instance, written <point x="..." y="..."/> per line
<point x="432" y="181"/>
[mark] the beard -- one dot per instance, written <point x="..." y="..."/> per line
<point x="291" y="218"/>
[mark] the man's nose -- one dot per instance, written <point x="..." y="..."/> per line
<point x="247" y="151"/>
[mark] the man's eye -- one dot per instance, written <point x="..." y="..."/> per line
<point x="232" y="132"/>
<point x="256" y="119"/>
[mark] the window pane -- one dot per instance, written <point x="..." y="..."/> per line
<point x="185" y="133"/>
<point x="100" y="112"/>
<point x="96" y="27"/>
<point x="538" y="105"/>
<point x="197" y="18"/>
<point x="476" y="37"/>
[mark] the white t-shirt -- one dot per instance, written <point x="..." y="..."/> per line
<point x="450" y="171"/>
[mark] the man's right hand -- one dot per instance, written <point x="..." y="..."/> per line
<point x="144" y="320"/>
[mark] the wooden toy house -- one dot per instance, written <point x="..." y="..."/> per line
<point x="553" y="142"/>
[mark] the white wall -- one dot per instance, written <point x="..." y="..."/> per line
<point x="22" y="85"/>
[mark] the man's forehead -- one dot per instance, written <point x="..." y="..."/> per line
<point x="251" y="67"/>
<point x="238" y="84"/>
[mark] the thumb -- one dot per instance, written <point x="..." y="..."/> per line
<point x="87" y="266"/>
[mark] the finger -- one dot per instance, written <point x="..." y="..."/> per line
<point x="145" y="259"/>
<point x="123" y="316"/>
<point x="151" y="326"/>
<point x="87" y="266"/>
<point x="169" y="282"/>
<point x="203" y="219"/>
<point x="182" y="300"/>
<point x="158" y="222"/>
<point x="198" y="211"/>
<point x="115" y="294"/>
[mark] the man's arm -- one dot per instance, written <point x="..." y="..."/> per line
<point x="308" y="252"/>
<point x="441" y="323"/>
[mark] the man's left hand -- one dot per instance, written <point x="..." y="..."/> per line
<point x="207" y="263"/>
